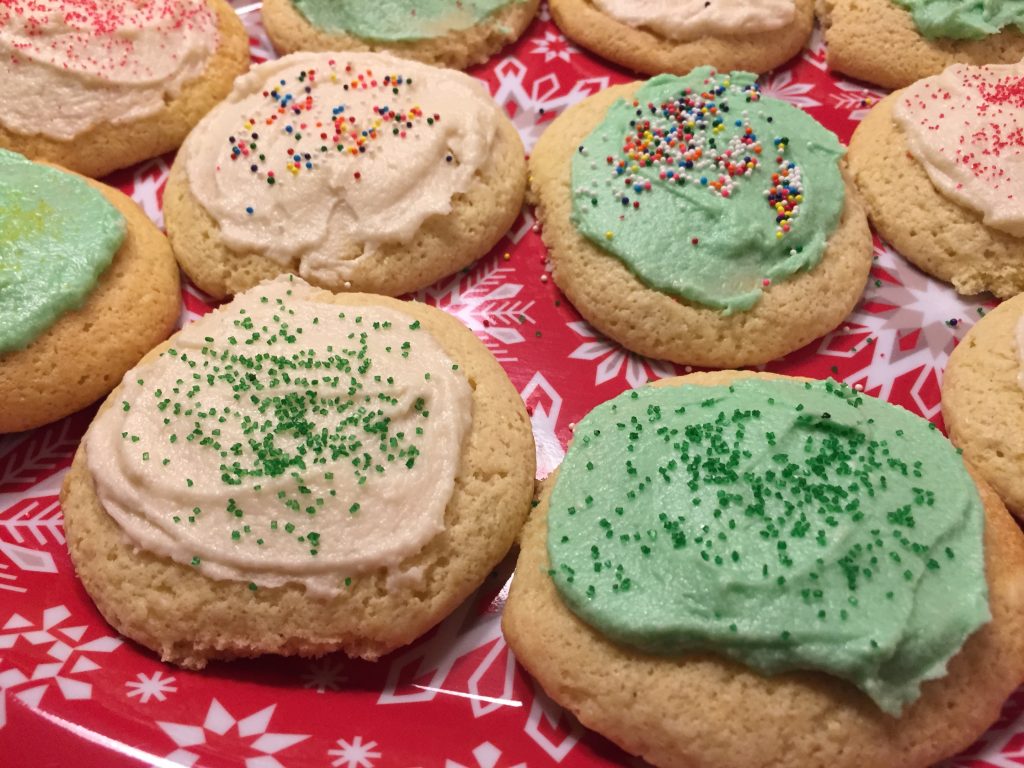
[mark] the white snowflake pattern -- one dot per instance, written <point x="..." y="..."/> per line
<point x="553" y="46"/>
<point x="155" y="686"/>
<point x="250" y="735"/>
<point x="612" y="359"/>
<point x="354" y="754"/>
<point x="324" y="675"/>
<point x="855" y="99"/>
<point x="485" y="755"/>
<point x="912" y="323"/>
<point x="67" y="656"/>
<point x="490" y="307"/>
<point x="780" y="85"/>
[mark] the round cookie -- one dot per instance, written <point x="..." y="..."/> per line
<point x="83" y="354"/>
<point x="478" y="217"/>
<point x="190" y="619"/>
<point x="108" y="146"/>
<point x="983" y="401"/>
<point x="645" y="51"/>
<point x="649" y="322"/>
<point x="878" y="42"/>
<point x="931" y="231"/>
<point x="290" y="31"/>
<point x="731" y="715"/>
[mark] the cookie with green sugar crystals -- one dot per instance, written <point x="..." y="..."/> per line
<point x="881" y="42"/>
<point x="88" y="285"/>
<point x="441" y="32"/>
<point x="817" y="570"/>
<point x="299" y="473"/>
<point x="693" y="220"/>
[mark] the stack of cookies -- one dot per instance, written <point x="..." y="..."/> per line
<point x="730" y="568"/>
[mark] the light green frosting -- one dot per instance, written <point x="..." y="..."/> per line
<point x="645" y="187"/>
<point x="964" y="19"/>
<point x="787" y="526"/>
<point x="57" y="235"/>
<point x="397" y="19"/>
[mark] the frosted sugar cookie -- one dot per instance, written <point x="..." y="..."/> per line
<point x="447" y="33"/>
<point x="88" y="285"/>
<point x="693" y="220"/>
<point x="983" y="400"/>
<point x="941" y="170"/>
<point x="892" y="43"/>
<point x="357" y="171"/>
<point x="655" y="36"/>
<point x="298" y="473"/>
<point x="97" y="86"/>
<point x="738" y="569"/>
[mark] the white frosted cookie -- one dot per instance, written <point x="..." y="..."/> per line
<point x="357" y="171"/>
<point x="655" y="36"/>
<point x="940" y="170"/>
<point x="97" y="86"/>
<point x="302" y="473"/>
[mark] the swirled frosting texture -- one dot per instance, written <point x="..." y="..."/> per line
<point x="782" y="524"/>
<point x="69" y="65"/>
<point x="964" y="19"/>
<point x="397" y="19"/>
<point x="706" y="190"/>
<point x="313" y="153"/>
<point x="57" y="236"/>
<point x="966" y="128"/>
<point x="286" y="439"/>
<point x="691" y="19"/>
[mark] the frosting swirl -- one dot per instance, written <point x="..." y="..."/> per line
<point x="965" y="127"/>
<point x="317" y="158"/>
<point x="285" y="438"/>
<point x="68" y="65"/>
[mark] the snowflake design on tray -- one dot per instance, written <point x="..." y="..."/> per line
<point x="487" y="303"/>
<point x="910" y="324"/>
<point x="25" y="521"/>
<point x="855" y="99"/>
<point x="781" y="85"/>
<point x="354" y="754"/>
<point x="326" y="674"/>
<point x="553" y="45"/>
<point x="221" y="733"/>
<point x="613" y="360"/>
<point x="155" y="686"/>
<point x="485" y="755"/>
<point x="50" y="651"/>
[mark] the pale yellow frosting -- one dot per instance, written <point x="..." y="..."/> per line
<point x="283" y="438"/>
<point x="690" y="19"/>
<point x="965" y="126"/>
<point x="69" y="65"/>
<point x="336" y="154"/>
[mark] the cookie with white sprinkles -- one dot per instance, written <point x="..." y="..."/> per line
<point x="299" y="473"/>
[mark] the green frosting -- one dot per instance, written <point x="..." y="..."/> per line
<point x="706" y="190"/>
<point x="57" y="235"/>
<point x="964" y="19"/>
<point x="397" y="19"/>
<point x="787" y="526"/>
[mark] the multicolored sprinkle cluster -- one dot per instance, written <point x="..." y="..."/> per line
<point x="292" y="108"/>
<point x="692" y="138"/>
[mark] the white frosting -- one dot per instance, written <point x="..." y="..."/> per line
<point x="274" y="429"/>
<point x="69" y="65"/>
<point x="327" y="207"/>
<point x="690" y="19"/>
<point x="966" y="128"/>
